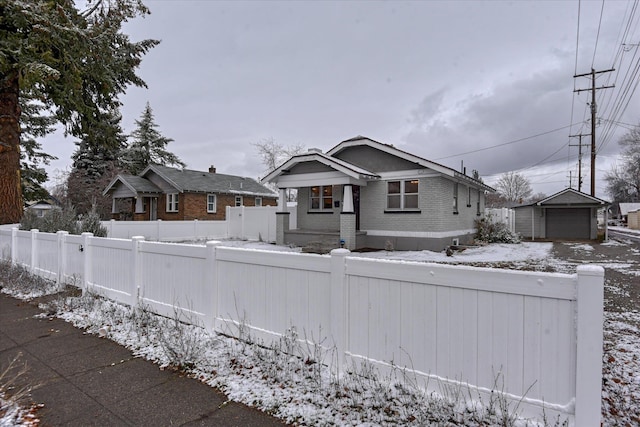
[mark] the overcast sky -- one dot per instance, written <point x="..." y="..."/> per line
<point x="437" y="79"/>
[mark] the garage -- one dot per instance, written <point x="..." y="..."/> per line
<point x="566" y="215"/>
<point x="568" y="223"/>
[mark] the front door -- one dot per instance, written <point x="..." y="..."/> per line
<point x="153" y="208"/>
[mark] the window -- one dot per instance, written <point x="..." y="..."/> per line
<point x="469" y="197"/>
<point x="478" y="204"/>
<point x="238" y="200"/>
<point x="321" y="198"/>
<point x="172" y="202"/>
<point x="402" y="195"/>
<point x="258" y="201"/>
<point x="140" y="205"/>
<point x="211" y="203"/>
<point x="455" y="198"/>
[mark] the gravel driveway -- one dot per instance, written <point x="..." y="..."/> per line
<point x="621" y="362"/>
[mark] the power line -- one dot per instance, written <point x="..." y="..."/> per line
<point x="595" y="48"/>
<point x="506" y="143"/>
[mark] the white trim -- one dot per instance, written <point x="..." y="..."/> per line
<point x="172" y="199"/>
<point x="421" y="234"/>
<point x="318" y="178"/>
<point x="408" y="174"/>
<point x="215" y="203"/>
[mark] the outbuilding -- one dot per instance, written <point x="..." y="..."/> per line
<point x="566" y="215"/>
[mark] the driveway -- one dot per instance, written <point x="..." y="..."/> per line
<point x="621" y="261"/>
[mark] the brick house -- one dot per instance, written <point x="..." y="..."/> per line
<point x="171" y="194"/>
<point x="363" y="193"/>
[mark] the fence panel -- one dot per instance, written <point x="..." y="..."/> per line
<point x="111" y="265"/>
<point x="174" y="276"/>
<point x="47" y="260"/>
<point x="5" y="243"/>
<point x="24" y="248"/>
<point x="74" y="253"/>
<point x="273" y="291"/>
<point x="466" y="325"/>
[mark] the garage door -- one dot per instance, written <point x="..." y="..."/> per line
<point x="568" y="223"/>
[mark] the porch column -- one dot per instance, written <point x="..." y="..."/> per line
<point x="347" y="199"/>
<point x="282" y="226"/>
<point x="282" y="199"/>
<point x="348" y="230"/>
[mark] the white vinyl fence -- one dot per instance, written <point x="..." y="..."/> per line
<point x="253" y="223"/>
<point x="504" y="215"/>
<point x="542" y="332"/>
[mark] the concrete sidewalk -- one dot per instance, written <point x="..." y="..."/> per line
<point x="85" y="380"/>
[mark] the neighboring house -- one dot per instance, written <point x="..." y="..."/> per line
<point x="568" y="214"/>
<point x="625" y="208"/>
<point x="366" y="194"/>
<point x="41" y="207"/>
<point x="162" y="192"/>
<point x="633" y="220"/>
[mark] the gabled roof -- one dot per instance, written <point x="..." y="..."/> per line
<point x="334" y="163"/>
<point x="354" y="171"/>
<point x="186" y="180"/>
<point x="587" y="197"/>
<point x="136" y="184"/>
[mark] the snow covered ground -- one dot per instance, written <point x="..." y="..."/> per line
<point x="304" y="390"/>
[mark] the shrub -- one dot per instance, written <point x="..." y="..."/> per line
<point x="90" y="223"/>
<point x="64" y="219"/>
<point x="494" y="232"/>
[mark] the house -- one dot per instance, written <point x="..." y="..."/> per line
<point x="42" y="207"/>
<point x="625" y="208"/>
<point x="568" y="214"/>
<point x="162" y="192"/>
<point x="366" y="194"/>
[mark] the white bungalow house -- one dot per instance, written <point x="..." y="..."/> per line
<point x="366" y="194"/>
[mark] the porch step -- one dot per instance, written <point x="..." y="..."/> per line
<point x="318" y="247"/>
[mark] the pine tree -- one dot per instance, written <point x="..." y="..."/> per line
<point x="95" y="163"/>
<point x="35" y="123"/>
<point x="74" y="62"/>
<point x="148" y="146"/>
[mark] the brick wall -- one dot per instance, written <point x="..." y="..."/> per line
<point x="194" y="206"/>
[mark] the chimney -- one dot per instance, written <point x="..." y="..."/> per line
<point x="212" y="169"/>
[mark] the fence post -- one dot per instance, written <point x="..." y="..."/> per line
<point x="589" y="307"/>
<point x="85" y="248"/>
<point x="211" y="273"/>
<point x="339" y="303"/>
<point x="14" y="245"/>
<point x="34" y="250"/>
<point x="242" y="229"/>
<point x="227" y="219"/>
<point x="137" y="282"/>
<point x="62" y="258"/>
<point x="159" y="225"/>
<point x="195" y="229"/>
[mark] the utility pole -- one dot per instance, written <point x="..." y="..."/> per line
<point x="570" y="181"/>
<point x="580" y="145"/>
<point x="593" y="120"/>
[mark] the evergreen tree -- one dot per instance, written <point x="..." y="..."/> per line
<point x="74" y="62"/>
<point x="95" y="163"/>
<point x="35" y="123"/>
<point x="148" y="146"/>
